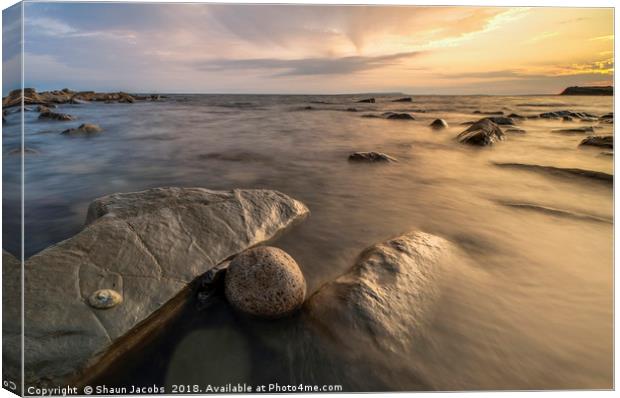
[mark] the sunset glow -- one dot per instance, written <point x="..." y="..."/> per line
<point x="316" y="49"/>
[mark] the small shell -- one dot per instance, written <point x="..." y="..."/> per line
<point x="105" y="298"/>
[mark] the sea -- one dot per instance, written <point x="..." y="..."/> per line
<point x="531" y="308"/>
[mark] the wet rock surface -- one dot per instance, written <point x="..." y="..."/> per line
<point x="84" y="130"/>
<point x="367" y="101"/>
<point x="482" y="133"/>
<point x="603" y="141"/>
<point x="398" y="116"/>
<point x="386" y="296"/>
<point x="147" y="246"/>
<point x="371" y="157"/>
<point x="63" y="117"/>
<point x="265" y="282"/>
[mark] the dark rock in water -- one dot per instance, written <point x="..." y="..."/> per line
<point x="557" y="212"/>
<point x="515" y="131"/>
<point x="384" y="301"/>
<point x="400" y="116"/>
<point x="236" y="156"/>
<point x="351" y="110"/>
<point x="516" y="116"/>
<point x="55" y="116"/>
<point x="482" y="133"/>
<point x="604" y="141"/>
<point x="497" y="113"/>
<point x="367" y="101"/>
<point x="565" y="113"/>
<point x="370" y="157"/>
<point x="567" y="119"/>
<point x="592" y="90"/>
<point x="85" y="129"/>
<point x="467" y="123"/>
<point x="576" y="130"/>
<point x="371" y="116"/>
<point x="609" y="115"/>
<point x="501" y="120"/>
<point x="607" y="153"/>
<point x="43" y="109"/>
<point x="405" y="99"/>
<point x="150" y="246"/>
<point x="27" y="151"/>
<point x="561" y="172"/>
<point x="265" y="282"/>
<point x="439" y="124"/>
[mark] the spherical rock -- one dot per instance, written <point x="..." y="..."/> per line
<point x="265" y="282"/>
<point x="105" y="298"/>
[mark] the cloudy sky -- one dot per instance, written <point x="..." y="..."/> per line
<point x="310" y="49"/>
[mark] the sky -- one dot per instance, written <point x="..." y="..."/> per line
<point x="219" y="48"/>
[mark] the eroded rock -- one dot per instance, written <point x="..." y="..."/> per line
<point x="386" y="297"/>
<point x="482" y="133"/>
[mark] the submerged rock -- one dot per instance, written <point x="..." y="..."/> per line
<point x="439" y="124"/>
<point x="385" y="299"/>
<point x="405" y="99"/>
<point x="576" y="130"/>
<point x="399" y="116"/>
<point x="149" y="245"/>
<point x="515" y="131"/>
<point x="370" y="157"/>
<point x="501" y="120"/>
<point x="367" y="101"/>
<point x="561" y="171"/>
<point x="604" y="141"/>
<point x="63" y="117"/>
<point x="265" y="282"/>
<point x="85" y="129"/>
<point x="498" y="113"/>
<point x="26" y="151"/>
<point x="556" y="212"/>
<point x="516" y="116"/>
<point x="482" y="133"/>
<point x="371" y="116"/>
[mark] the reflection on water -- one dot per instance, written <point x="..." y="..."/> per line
<point x="530" y="308"/>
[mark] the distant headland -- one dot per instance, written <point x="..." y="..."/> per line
<point x="591" y="90"/>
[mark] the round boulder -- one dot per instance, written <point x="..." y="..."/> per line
<point x="265" y="282"/>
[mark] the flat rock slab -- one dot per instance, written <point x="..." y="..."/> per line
<point x="145" y="245"/>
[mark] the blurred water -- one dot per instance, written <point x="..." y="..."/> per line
<point x="530" y="309"/>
